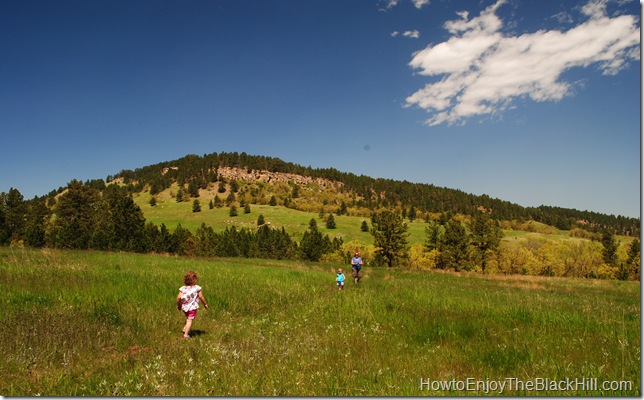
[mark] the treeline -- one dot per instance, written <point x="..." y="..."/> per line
<point x="375" y="193"/>
<point x="100" y="217"/>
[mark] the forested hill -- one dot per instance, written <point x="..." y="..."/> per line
<point x="372" y="193"/>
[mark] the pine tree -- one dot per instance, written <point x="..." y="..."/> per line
<point x="330" y="222"/>
<point x="260" y="220"/>
<point x="390" y="236"/>
<point x="196" y="206"/>
<point x="230" y="199"/>
<point x="272" y="201"/>
<point x="609" y="252"/>
<point x="218" y="202"/>
<point x="343" y="209"/>
<point x="412" y="214"/>
<point x="634" y="258"/>
<point x="37" y="216"/>
<point x="364" y="227"/>
<point x="234" y="186"/>
<point x="433" y="235"/>
<point x="233" y="211"/>
<point x="453" y="247"/>
<point x="74" y="221"/>
<point x="486" y="236"/>
<point x="193" y="189"/>
<point x="314" y="244"/>
<point x="15" y="213"/>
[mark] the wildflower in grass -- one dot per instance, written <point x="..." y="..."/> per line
<point x="188" y="300"/>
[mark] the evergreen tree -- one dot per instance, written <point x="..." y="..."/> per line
<point x="181" y="243"/>
<point x="330" y="222"/>
<point x="221" y="187"/>
<point x="272" y="201"/>
<point x="247" y="208"/>
<point x="260" y="220"/>
<point x="233" y="211"/>
<point x="609" y="252"/>
<point x="634" y="258"/>
<point x="230" y="199"/>
<point x="313" y="244"/>
<point x="234" y="186"/>
<point x="193" y="189"/>
<point x="74" y="222"/>
<point x="179" y="196"/>
<point x="206" y="241"/>
<point x="156" y="188"/>
<point x="486" y="236"/>
<point x="121" y="221"/>
<point x="217" y="202"/>
<point x="412" y="214"/>
<point x="15" y="214"/>
<point x="295" y="193"/>
<point x="150" y="238"/>
<point x="343" y="209"/>
<point x="196" y="206"/>
<point x="37" y="216"/>
<point x="364" y="227"/>
<point x="433" y="235"/>
<point x="390" y="236"/>
<point x="153" y="201"/>
<point x="453" y="248"/>
<point x="165" y="242"/>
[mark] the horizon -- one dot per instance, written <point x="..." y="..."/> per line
<point x="527" y="102"/>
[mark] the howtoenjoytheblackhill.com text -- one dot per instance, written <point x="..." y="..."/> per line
<point x="500" y="386"/>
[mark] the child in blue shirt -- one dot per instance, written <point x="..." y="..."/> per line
<point x="340" y="279"/>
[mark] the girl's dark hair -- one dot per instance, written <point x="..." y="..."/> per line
<point x="190" y="278"/>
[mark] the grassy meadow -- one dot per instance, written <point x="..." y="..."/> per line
<point x="105" y="324"/>
<point x="171" y="213"/>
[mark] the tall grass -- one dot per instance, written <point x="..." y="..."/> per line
<point x="104" y="324"/>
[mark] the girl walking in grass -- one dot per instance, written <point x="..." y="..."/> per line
<point x="188" y="300"/>
<point x="340" y="279"/>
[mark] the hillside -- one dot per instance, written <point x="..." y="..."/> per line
<point x="234" y="205"/>
<point x="329" y="188"/>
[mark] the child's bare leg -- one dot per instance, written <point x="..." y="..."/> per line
<point x="186" y="328"/>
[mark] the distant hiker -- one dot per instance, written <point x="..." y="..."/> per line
<point x="356" y="265"/>
<point x="340" y="279"/>
<point x="188" y="300"/>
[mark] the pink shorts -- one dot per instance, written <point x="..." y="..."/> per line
<point x="191" y="314"/>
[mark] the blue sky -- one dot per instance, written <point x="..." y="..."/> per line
<point x="533" y="102"/>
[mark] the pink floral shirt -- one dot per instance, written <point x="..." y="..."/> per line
<point x="189" y="297"/>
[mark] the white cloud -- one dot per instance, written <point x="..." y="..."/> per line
<point x="420" y="3"/>
<point x="393" y="3"/>
<point x="412" y="34"/>
<point x="482" y="70"/>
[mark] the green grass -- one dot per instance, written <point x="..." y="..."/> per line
<point x="104" y="324"/>
<point x="171" y="213"/>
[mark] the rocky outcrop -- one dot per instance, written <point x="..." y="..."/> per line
<point x="241" y="174"/>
